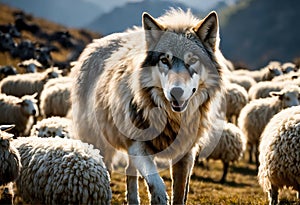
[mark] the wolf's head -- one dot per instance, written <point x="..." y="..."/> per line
<point x="181" y="50"/>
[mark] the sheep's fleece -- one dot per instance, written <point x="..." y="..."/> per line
<point x="280" y="151"/>
<point x="61" y="171"/>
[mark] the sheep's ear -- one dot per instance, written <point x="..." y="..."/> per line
<point x="153" y="29"/>
<point x="208" y="30"/>
<point x="6" y="127"/>
<point x="34" y="95"/>
<point x="279" y="94"/>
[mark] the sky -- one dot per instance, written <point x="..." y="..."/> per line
<point x="108" y="5"/>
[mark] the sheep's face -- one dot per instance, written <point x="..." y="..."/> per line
<point x="288" y="98"/>
<point x="53" y="74"/>
<point x="29" y="107"/>
<point x="275" y="71"/>
<point x="46" y="132"/>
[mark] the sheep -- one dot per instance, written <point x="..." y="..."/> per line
<point x="6" y="71"/>
<point x="55" y="99"/>
<point x="18" y="111"/>
<point x="264" y="74"/>
<point x="30" y="65"/>
<point x="279" y="154"/>
<point x="288" y="67"/>
<point x="10" y="165"/>
<point x="236" y="99"/>
<point x="257" y="113"/>
<point x="52" y="127"/>
<point x="230" y="148"/>
<point x="28" y="83"/>
<point x="244" y="81"/>
<point x="292" y="75"/>
<point x="263" y="89"/>
<point x="61" y="171"/>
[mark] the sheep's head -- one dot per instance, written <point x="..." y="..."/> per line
<point x="46" y="132"/>
<point x="52" y="73"/>
<point x="5" y="137"/>
<point x="289" y="96"/>
<point x="10" y="165"/>
<point x="28" y="104"/>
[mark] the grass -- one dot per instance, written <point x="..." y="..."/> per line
<point x="241" y="187"/>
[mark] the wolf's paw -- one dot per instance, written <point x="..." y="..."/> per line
<point x="162" y="198"/>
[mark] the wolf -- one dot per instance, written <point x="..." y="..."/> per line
<point x="152" y="92"/>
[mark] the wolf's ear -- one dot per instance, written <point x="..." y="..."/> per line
<point x="152" y="28"/>
<point x="208" y="30"/>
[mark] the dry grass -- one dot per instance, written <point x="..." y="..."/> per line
<point x="241" y="186"/>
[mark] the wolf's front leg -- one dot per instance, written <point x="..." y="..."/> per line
<point x="145" y="165"/>
<point x="132" y="184"/>
<point x="181" y="172"/>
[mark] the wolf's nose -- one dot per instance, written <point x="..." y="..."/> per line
<point x="33" y="112"/>
<point x="176" y="93"/>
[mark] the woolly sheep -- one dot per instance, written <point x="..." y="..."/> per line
<point x="61" y="171"/>
<point x="288" y="67"/>
<point x="28" y="83"/>
<point x="230" y="148"/>
<point x="256" y="114"/>
<point x="263" y="89"/>
<point x="264" y="74"/>
<point x="55" y="98"/>
<point x="279" y="153"/>
<point x="10" y="166"/>
<point x="18" y="111"/>
<point x="245" y="81"/>
<point x="286" y="77"/>
<point x="53" y="127"/>
<point x="236" y="99"/>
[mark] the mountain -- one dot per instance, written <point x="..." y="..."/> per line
<point x="121" y="18"/>
<point x="259" y="31"/>
<point x="71" y="13"/>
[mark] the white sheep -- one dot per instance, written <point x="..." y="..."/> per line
<point x="53" y="127"/>
<point x="61" y="171"/>
<point x="279" y="154"/>
<point x="257" y="113"/>
<point x="292" y="75"/>
<point x="230" y="148"/>
<point x="55" y="98"/>
<point x="236" y="99"/>
<point x="18" y="111"/>
<point x="264" y="74"/>
<point x="10" y="166"/>
<point x="245" y="81"/>
<point x="28" y="83"/>
<point x="263" y="89"/>
<point x="288" y="67"/>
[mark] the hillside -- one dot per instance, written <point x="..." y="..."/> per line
<point x="78" y="35"/>
<point x="72" y="13"/>
<point x="130" y="14"/>
<point x="261" y="31"/>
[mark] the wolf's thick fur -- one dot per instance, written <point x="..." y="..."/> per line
<point x="153" y="92"/>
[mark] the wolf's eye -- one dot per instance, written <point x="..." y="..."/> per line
<point x="193" y="61"/>
<point x="164" y="61"/>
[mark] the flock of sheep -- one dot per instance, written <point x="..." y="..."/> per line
<point x="42" y="158"/>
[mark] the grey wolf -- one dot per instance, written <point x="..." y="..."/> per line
<point x="152" y="92"/>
